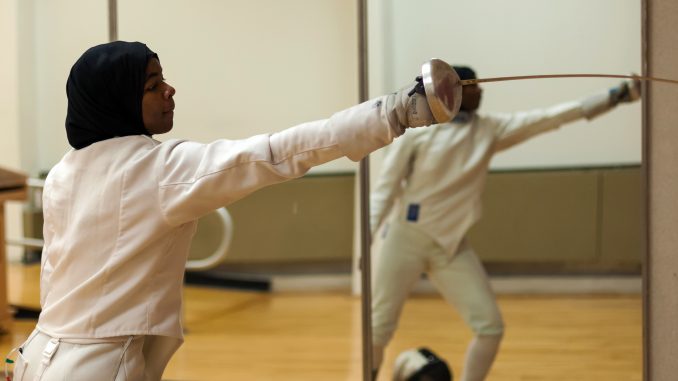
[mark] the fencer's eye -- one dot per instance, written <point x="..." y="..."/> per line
<point x="153" y="86"/>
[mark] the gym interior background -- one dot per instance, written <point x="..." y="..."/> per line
<point x="240" y="71"/>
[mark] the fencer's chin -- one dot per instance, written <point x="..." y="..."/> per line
<point x="169" y="120"/>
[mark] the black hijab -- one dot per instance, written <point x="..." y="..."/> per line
<point x="464" y="72"/>
<point x="104" y="89"/>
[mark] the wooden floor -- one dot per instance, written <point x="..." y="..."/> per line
<point x="234" y="335"/>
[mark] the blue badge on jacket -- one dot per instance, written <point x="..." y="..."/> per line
<point x="413" y="212"/>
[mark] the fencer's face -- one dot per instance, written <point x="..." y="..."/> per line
<point x="157" y="105"/>
<point x="470" y="97"/>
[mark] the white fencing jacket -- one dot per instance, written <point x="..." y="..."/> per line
<point x="433" y="178"/>
<point x="120" y="215"/>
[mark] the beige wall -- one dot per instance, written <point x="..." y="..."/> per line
<point x="62" y="31"/>
<point x="291" y="48"/>
<point x="241" y="68"/>
<point x="9" y="109"/>
<point x="250" y="67"/>
<point x="662" y="155"/>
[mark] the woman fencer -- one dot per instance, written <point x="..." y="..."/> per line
<point x="120" y="210"/>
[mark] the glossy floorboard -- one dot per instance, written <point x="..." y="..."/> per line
<point x="234" y="335"/>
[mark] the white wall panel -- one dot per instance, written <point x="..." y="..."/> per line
<point x="250" y="67"/>
<point x="522" y="37"/>
<point x="63" y="31"/>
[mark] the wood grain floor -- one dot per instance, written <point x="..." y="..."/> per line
<point x="234" y="335"/>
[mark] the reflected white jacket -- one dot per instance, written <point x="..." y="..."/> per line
<point x="433" y="177"/>
<point x="120" y="215"/>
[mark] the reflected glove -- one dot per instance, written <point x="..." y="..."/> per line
<point x="626" y="92"/>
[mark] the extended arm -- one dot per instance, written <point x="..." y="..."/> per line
<point x="197" y="178"/>
<point x="516" y="128"/>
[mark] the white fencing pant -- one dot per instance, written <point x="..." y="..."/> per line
<point x="123" y="358"/>
<point x="402" y="255"/>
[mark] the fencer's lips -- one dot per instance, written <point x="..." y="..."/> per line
<point x="170" y="107"/>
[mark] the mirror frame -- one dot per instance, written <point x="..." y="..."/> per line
<point x="645" y="201"/>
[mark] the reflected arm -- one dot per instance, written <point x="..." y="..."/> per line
<point x="515" y="128"/>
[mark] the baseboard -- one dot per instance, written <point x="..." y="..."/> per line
<point x="311" y="283"/>
<point x="560" y="284"/>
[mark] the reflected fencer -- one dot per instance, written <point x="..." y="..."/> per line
<point x="427" y="197"/>
<point x="121" y="208"/>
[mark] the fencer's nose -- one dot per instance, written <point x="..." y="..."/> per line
<point x="169" y="92"/>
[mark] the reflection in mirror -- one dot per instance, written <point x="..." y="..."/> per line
<point x="560" y="203"/>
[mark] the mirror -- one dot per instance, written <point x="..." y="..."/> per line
<point x="560" y="233"/>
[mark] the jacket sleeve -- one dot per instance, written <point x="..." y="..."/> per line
<point x="512" y="129"/>
<point x="195" y="178"/>
<point x="395" y="169"/>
